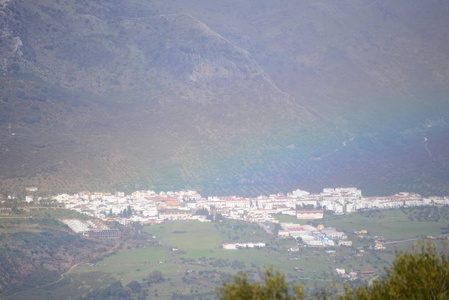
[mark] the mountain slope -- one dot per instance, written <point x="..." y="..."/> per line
<point x="98" y="102"/>
<point x="240" y="97"/>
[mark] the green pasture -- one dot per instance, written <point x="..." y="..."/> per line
<point x="289" y="219"/>
<point x="200" y="249"/>
<point x="390" y="224"/>
<point x="187" y="235"/>
<point x="137" y="256"/>
<point x="194" y="236"/>
<point x="131" y="265"/>
<point x="200" y="264"/>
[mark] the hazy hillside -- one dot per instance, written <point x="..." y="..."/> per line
<point x="226" y="97"/>
<point x="34" y="252"/>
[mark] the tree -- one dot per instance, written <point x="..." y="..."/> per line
<point x="155" y="277"/>
<point x="202" y="212"/>
<point x="135" y="287"/>
<point x="422" y="273"/>
<point x="114" y="290"/>
<point x="274" y="287"/>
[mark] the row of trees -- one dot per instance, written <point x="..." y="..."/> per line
<point x="420" y="274"/>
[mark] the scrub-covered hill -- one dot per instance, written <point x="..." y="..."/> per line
<point x="241" y="97"/>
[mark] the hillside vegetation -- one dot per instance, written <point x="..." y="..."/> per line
<point x="37" y="250"/>
<point x="234" y="97"/>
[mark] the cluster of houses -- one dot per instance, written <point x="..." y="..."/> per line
<point x="151" y="207"/>
<point x="311" y="236"/>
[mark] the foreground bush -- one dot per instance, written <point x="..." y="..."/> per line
<point x="422" y="273"/>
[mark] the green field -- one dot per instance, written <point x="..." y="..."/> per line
<point x="390" y="224"/>
<point x="187" y="235"/>
<point x="200" y="264"/>
<point x="193" y="264"/>
<point x="199" y="252"/>
<point x="194" y="235"/>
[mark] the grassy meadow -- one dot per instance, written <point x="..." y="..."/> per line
<point x="190" y="258"/>
<point x="199" y="264"/>
<point x="395" y="224"/>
